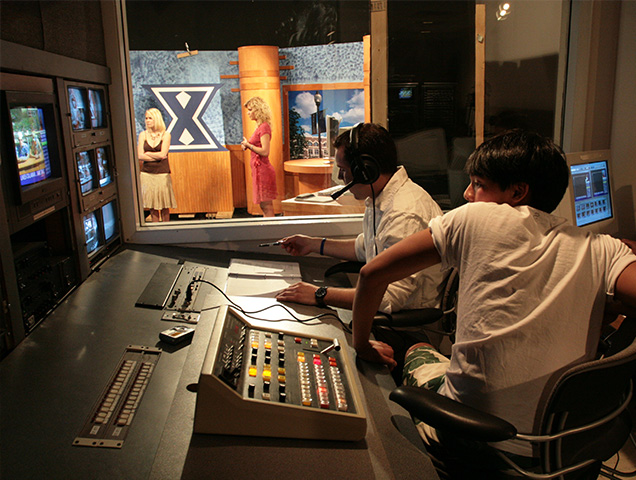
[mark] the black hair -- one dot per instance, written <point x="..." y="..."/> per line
<point x="519" y="156"/>
<point x="373" y="140"/>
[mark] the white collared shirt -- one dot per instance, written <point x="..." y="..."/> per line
<point x="401" y="209"/>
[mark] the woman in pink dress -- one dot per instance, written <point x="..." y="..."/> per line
<point x="263" y="173"/>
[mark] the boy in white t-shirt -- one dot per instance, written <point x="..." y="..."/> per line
<point x="532" y="288"/>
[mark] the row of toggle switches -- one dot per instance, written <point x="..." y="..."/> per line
<point x="307" y="389"/>
<point x="117" y="388"/>
<point x="267" y="366"/>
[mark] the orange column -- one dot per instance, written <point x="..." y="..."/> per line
<point x="366" y="48"/>
<point x="259" y="75"/>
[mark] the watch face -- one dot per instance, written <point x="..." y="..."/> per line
<point x="320" y="295"/>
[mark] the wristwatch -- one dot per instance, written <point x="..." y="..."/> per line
<point x="320" y="294"/>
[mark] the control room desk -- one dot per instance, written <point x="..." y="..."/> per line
<point x="52" y="380"/>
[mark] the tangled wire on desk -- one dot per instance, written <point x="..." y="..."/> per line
<point x="252" y="313"/>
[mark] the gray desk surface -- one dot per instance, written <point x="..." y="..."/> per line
<point x="51" y="381"/>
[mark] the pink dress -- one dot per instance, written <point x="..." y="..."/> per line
<point x="263" y="173"/>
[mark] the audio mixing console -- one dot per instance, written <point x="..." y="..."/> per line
<point x="276" y="383"/>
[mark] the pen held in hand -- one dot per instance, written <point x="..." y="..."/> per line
<point x="273" y="244"/>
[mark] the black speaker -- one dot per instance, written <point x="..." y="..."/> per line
<point x="364" y="167"/>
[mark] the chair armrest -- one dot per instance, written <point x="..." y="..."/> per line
<point x="344" y="267"/>
<point x="447" y="415"/>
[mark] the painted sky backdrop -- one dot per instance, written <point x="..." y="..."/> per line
<point x="346" y="105"/>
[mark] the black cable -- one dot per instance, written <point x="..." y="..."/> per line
<point x="375" y="243"/>
<point x="251" y="314"/>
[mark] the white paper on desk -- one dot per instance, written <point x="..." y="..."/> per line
<point x="258" y="278"/>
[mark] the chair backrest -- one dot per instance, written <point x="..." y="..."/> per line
<point x="582" y="395"/>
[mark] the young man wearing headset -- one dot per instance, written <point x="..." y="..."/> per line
<point x="396" y="207"/>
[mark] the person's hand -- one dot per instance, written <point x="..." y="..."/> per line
<point x="630" y="243"/>
<point x="298" y="245"/>
<point x="377" y="352"/>
<point x="244" y="144"/>
<point x="301" y="292"/>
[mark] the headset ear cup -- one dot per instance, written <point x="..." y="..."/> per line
<point x="369" y="169"/>
<point x="365" y="169"/>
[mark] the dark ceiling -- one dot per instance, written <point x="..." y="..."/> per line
<point x="227" y="25"/>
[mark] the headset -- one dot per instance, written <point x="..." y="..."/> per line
<point x="364" y="167"/>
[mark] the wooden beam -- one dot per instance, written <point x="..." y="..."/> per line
<point x="480" y="72"/>
<point x="379" y="62"/>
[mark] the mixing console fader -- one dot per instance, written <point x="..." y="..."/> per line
<point x="274" y="383"/>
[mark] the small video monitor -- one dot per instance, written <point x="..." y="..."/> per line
<point x="31" y="145"/>
<point x="405" y="93"/>
<point x="91" y="233"/>
<point x="591" y="191"/>
<point x="109" y="216"/>
<point x="96" y="107"/>
<point x="85" y="172"/>
<point x="103" y="165"/>
<point x="77" y="103"/>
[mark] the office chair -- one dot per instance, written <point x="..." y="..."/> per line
<point x="415" y="317"/>
<point x="584" y="421"/>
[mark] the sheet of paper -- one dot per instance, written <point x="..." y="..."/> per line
<point x="258" y="278"/>
<point x="264" y="269"/>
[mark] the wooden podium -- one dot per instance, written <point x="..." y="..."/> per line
<point x="202" y="183"/>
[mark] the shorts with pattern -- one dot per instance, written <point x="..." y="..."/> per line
<point x="425" y="367"/>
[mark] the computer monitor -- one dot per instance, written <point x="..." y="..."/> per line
<point x="587" y="202"/>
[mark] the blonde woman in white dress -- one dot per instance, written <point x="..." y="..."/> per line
<point x="156" y="184"/>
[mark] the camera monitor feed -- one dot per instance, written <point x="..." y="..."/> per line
<point x="91" y="232"/>
<point x="31" y="146"/>
<point x="110" y="221"/>
<point x="79" y="119"/>
<point x="85" y="172"/>
<point x="102" y="165"/>
<point x="95" y="102"/>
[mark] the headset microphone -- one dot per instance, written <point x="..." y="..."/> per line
<point x="344" y="189"/>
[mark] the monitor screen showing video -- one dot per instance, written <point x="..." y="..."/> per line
<point x="91" y="232"/>
<point x="103" y="165"/>
<point x="85" y="173"/>
<point x="110" y="220"/>
<point x="592" y="194"/>
<point x="77" y="105"/>
<point x="96" y="105"/>
<point x="31" y="145"/>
